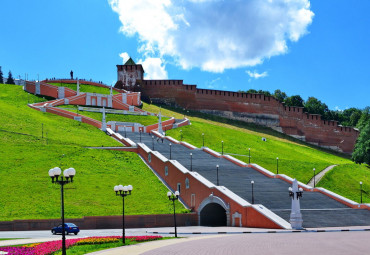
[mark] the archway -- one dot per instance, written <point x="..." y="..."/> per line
<point x="213" y="215"/>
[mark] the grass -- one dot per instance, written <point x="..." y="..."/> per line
<point x="145" y="120"/>
<point x="26" y="190"/>
<point x="85" y="88"/>
<point x="296" y="159"/>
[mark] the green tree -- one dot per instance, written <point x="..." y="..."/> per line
<point x="1" y="76"/>
<point x="294" y="101"/>
<point x="10" y="78"/>
<point x="361" y="153"/>
<point x="315" y="106"/>
<point x="265" y="92"/>
<point x="279" y="95"/>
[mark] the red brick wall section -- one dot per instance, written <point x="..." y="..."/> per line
<point x="293" y="120"/>
<point x="104" y="222"/>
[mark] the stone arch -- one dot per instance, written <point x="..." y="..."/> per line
<point x="213" y="211"/>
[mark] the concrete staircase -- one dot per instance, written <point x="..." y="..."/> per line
<point x="318" y="210"/>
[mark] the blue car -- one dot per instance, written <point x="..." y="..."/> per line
<point x="68" y="227"/>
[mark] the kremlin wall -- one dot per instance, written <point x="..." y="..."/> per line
<point x="253" y="108"/>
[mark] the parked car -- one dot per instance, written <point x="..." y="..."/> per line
<point x="68" y="227"/>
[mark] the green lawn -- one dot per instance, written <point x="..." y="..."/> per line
<point x="145" y="120"/>
<point x="26" y="189"/>
<point x="85" y="88"/>
<point x="296" y="159"/>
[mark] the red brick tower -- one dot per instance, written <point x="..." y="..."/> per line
<point x="128" y="75"/>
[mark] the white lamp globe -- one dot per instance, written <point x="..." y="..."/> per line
<point x="129" y="187"/>
<point x="72" y="171"/>
<point x="169" y="193"/>
<point x="125" y="188"/>
<point x="66" y="173"/>
<point x="120" y="187"/>
<point x="57" y="171"/>
<point x="177" y="193"/>
<point x="51" y="172"/>
<point x="116" y="188"/>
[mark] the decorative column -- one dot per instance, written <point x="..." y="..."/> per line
<point x="78" y="87"/>
<point x="160" y="129"/>
<point x="103" y="124"/>
<point x="295" y="215"/>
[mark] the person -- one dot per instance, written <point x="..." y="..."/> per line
<point x="71" y="75"/>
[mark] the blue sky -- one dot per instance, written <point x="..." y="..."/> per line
<point x="311" y="48"/>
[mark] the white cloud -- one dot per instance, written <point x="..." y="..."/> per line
<point x="124" y="56"/>
<point x="213" y="34"/>
<point x="154" y="68"/>
<point x="256" y="75"/>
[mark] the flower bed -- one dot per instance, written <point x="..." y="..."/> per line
<point x="48" y="248"/>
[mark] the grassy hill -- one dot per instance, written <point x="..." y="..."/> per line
<point x="26" y="191"/>
<point x="84" y="88"/>
<point x="296" y="158"/>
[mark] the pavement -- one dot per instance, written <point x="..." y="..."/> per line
<point x="224" y="240"/>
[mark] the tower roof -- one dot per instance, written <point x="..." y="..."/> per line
<point x="129" y="62"/>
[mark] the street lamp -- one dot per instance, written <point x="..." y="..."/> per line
<point x="173" y="198"/>
<point x="222" y="143"/>
<point x="249" y="149"/>
<point x="170" y="150"/>
<point x="125" y="131"/>
<point x="69" y="173"/>
<point x="277" y="165"/>
<point x="140" y="134"/>
<point x="153" y="142"/>
<point x="203" y="138"/>
<point x="181" y="135"/>
<point x="361" y="191"/>
<point x="314" y="178"/>
<point x="252" y="182"/>
<point x="123" y="191"/>
<point x="191" y="161"/>
<point x="217" y="174"/>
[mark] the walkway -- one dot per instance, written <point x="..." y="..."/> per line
<point x="318" y="210"/>
<point x="318" y="176"/>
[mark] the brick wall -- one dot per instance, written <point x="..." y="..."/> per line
<point x="256" y="108"/>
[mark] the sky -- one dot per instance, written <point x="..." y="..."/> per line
<point x="309" y="48"/>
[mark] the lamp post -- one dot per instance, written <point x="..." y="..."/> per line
<point x="203" y="138"/>
<point x="277" y="165"/>
<point x="191" y="161"/>
<point x="173" y="198"/>
<point x="69" y="173"/>
<point x="361" y="191"/>
<point x="217" y="166"/>
<point x="140" y="134"/>
<point x="125" y="131"/>
<point x="295" y="216"/>
<point x="181" y="135"/>
<point x="314" y="178"/>
<point x="123" y="191"/>
<point x="170" y="150"/>
<point x="249" y="157"/>
<point x="222" y="143"/>
<point x="153" y="142"/>
<point x="252" y="182"/>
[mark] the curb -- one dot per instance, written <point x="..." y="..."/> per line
<point x="262" y="232"/>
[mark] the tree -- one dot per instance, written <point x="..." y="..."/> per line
<point x="315" y="106"/>
<point x="10" y="78"/>
<point x="361" y="153"/>
<point x="279" y="95"/>
<point x="1" y="76"/>
<point x="294" y="101"/>
<point x="265" y="92"/>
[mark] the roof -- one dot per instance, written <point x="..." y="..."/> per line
<point x="129" y="62"/>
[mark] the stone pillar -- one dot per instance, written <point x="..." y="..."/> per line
<point x="103" y="122"/>
<point x="295" y="215"/>
<point x="160" y="130"/>
<point x="78" y="87"/>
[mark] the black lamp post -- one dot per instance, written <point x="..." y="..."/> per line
<point x="203" y="138"/>
<point x="222" y="143"/>
<point x="191" y="161"/>
<point x="361" y="191"/>
<point x="252" y="182"/>
<point x="125" y="131"/>
<point x="173" y="198"/>
<point x="314" y="178"/>
<point x="153" y="142"/>
<point x="217" y="174"/>
<point x="170" y="150"/>
<point x="69" y="173"/>
<point x="181" y="135"/>
<point x="298" y="195"/>
<point x="123" y="191"/>
<point x="277" y="165"/>
<point x="140" y="134"/>
<point x="249" y="149"/>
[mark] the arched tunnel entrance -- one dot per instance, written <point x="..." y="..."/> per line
<point x="213" y="215"/>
